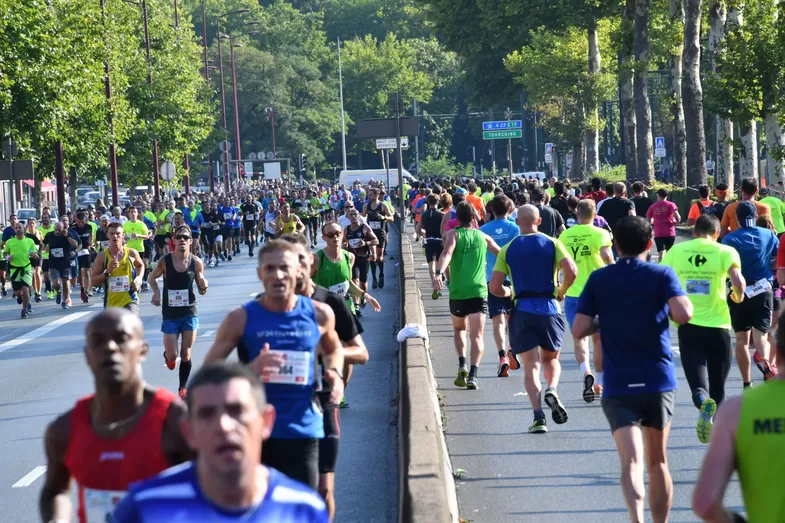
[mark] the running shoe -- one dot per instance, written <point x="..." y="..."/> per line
<point x="463" y="373"/>
<point x="169" y="364"/>
<point x="358" y="313"/>
<point x="223" y="257"/>
<point x="19" y="300"/>
<point x="216" y="262"/>
<point x="472" y="384"/>
<point x="588" y="388"/>
<point x="344" y="404"/>
<point x="29" y="308"/>
<point x="230" y="257"/>
<point x="559" y="413"/>
<point x="38" y="297"/>
<point x="504" y="366"/>
<point x="706" y="419"/>
<point x="51" y="295"/>
<point x="381" y="281"/>
<point x="769" y="371"/>
<point x="513" y="360"/>
<point x="65" y="306"/>
<point x="375" y="284"/>
<point x="183" y="393"/>
<point x="5" y="292"/>
<point x="538" y="427"/>
<point x="58" y="298"/>
<point x="90" y="294"/>
<point x="83" y="295"/>
<point x="211" y="264"/>
<point x="25" y="315"/>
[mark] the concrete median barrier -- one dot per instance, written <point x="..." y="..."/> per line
<point x="427" y="490"/>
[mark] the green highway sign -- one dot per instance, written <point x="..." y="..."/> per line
<point x="501" y="135"/>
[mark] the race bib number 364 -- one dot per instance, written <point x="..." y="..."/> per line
<point x="294" y="370"/>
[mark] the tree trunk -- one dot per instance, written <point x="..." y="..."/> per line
<point x="748" y="156"/>
<point x="676" y="8"/>
<point x="640" y="86"/>
<point x="593" y="130"/>
<point x="576" y="169"/>
<point x="692" y="93"/>
<point x="626" y="95"/>
<point x="774" y="148"/>
<point x="723" y="167"/>
<point x="73" y="183"/>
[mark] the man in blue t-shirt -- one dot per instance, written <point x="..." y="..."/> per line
<point x="631" y="302"/>
<point x="755" y="246"/>
<point x="227" y="400"/>
<point x="503" y="231"/>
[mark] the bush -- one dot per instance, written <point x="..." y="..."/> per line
<point x="443" y="167"/>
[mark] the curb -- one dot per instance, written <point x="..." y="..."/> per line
<point x="427" y="486"/>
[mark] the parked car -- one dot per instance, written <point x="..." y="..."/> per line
<point x="25" y="213"/>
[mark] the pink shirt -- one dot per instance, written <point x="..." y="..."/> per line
<point x="664" y="222"/>
<point x="453" y="223"/>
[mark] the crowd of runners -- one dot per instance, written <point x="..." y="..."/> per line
<point x="537" y="257"/>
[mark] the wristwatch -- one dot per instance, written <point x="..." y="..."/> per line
<point x="338" y="372"/>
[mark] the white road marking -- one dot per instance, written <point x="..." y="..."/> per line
<point x="253" y="294"/>
<point x="40" y="331"/>
<point x="97" y="306"/>
<point x="207" y="334"/>
<point x="30" y="477"/>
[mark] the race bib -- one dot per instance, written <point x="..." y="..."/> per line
<point x="271" y="226"/>
<point x="119" y="284"/>
<point x="100" y="504"/>
<point x="294" y="370"/>
<point x="758" y="287"/>
<point x="227" y="216"/>
<point x="83" y="252"/>
<point x="57" y="253"/>
<point x="698" y="287"/>
<point x="356" y="243"/>
<point x="375" y="225"/>
<point x="216" y="227"/>
<point x="178" y="297"/>
<point x="105" y="244"/>
<point x="340" y="288"/>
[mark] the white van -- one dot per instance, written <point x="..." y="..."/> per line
<point x="347" y="178"/>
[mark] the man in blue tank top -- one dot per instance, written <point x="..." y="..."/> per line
<point x="227" y="423"/>
<point x="278" y="333"/>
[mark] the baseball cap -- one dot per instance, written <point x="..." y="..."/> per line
<point x="746" y="214"/>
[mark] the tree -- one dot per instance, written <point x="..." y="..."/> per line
<point x="676" y="16"/>
<point x="723" y="170"/>
<point x="693" y="96"/>
<point x="641" y="90"/>
<point x="627" y="96"/>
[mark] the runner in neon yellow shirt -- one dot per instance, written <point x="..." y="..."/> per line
<point x="590" y="247"/>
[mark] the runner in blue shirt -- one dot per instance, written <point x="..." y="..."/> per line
<point x="631" y="302"/>
<point x="277" y="334"/>
<point x="503" y="231"/>
<point x="227" y="424"/>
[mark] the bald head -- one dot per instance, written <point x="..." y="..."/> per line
<point x="528" y="217"/>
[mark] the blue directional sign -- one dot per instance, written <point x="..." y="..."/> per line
<point x="493" y="126"/>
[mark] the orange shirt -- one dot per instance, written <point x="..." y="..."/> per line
<point x="695" y="211"/>
<point x="729" y="216"/>
<point x="478" y="203"/>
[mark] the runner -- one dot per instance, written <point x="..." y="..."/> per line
<point x="180" y="270"/>
<point x="641" y="202"/>
<point x="125" y="432"/>
<point x="34" y="234"/>
<point x="86" y="237"/>
<point x="279" y="332"/>
<point x="590" y="248"/>
<point x="378" y="216"/>
<point x="271" y="220"/>
<point x="502" y="231"/>
<point x="664" y="216"/>
<point x="135" y="233"/>
<point x="361" y="241"/>
<point x="20" y="251"/>
<point x="120" y="269"/>
<point x="704" y="267"/>
<point x="531" y="261"/>
<point x="746" y="440"/>
<point x="464" y="252"/>
<point x="639" y="378"/>
<point x="551" y="222"/>
<point x="777" y="207"/>
<point x="61" y="247"/>
<point x="8" y="233"/>
<point x="749" y="189"/>
<point x="194" y="220"/>
<point x="617" y="206"/>
<point x="704" y="205"/>
<point x="755" y="246"/>
<point x="211" y="230"/>
<point x="287" y="222"/>
<point x="45" y="228"/>
<point x="228" y="215"/>
<point x="248" y="211"/>
<point x="430" y="230"/>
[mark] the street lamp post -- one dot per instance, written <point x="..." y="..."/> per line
<point x="232" y="45"/>
<point x="156" y="174"/>
<point x="223" y="109"/>
<point x="270" y="112"/>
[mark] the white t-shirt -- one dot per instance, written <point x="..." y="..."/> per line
<point x="345" y="221"/>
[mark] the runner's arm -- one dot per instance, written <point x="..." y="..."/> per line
<point x="739" y="285"/>
<point x="418" y="228"/>
<point x="201" y="281"/>
<point x="570" y="271"/>
<point x="175" y="448"/>
<point x="138" y="265"/>
<point x="680" y="309"/>
<point x="584" y="325"/>
<point x="330" y="349"/>
<point x="54" y="503"/>
<point x="607" y="255"/>
<point x="97" y="276"/>
<point x="497" y="287"/>
<point x="158" y="271"/>
<point x="228" y="336"/>
<point x="374" y="241"/>
<point x="676" y="217"/>
<point x="718" y="465"/>
<point x="449" y="247"/>
<point x="491" y="245"/>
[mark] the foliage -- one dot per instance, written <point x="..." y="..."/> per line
<point x="444" y="166"/>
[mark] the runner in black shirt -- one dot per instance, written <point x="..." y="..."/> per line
<point x="210" y="230"/>
<point x="617" y="207"/>
<point x="642" y="203"/>
<point x="552" y="222"/>
<point x="559" y="200"/>
<point x="85" y="233"/>
<point x="249" y="210"/>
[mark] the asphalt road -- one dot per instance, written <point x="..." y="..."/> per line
<point x="43" y="372"/>
<point x="568" y="474"/>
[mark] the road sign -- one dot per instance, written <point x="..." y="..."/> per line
<point x="252" y="156"/>
<point x="391" y="143"/>
<point x="10" y="148"/>
<point x="168" y="170"/>
<point x="270" y="156"/>
<point x="23" y="170"/>
<point x="568" y="161"/>
<point x="248" y="169"/>
<point x="548" y="158"/>
<point x="501" y="135"/>
<point x="659" y="147"/>
<point x="548" y="148"/>
<point x="492" y="126"/>
<point x="226" y="143"/>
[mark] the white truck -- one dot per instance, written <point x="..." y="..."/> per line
<point x="347" y="178"/>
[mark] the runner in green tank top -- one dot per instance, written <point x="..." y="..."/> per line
<point x="333" y="266"/>
<point x="464" y="252"/>
<point x="748" y="437"/>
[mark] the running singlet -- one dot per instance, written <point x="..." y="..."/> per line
<point x="376" y="220"/>
<point x="702" y="268"/>
<point x="117" y="287"/>
<point x="584" y="242"/>
<point x="270" y="219"/>
<point x="431" y="223"/>
<point x="467" y="266"/>
<point x="294" y="335"/>
<point x="104" y="468"/>
<point x="175" y="496"/>
<point x="760" y="454"/>
<point x="289" y="227"/>
<point x="335" y="276"/>
<point x="179" y="300"/>
<point x="355" y="238"/>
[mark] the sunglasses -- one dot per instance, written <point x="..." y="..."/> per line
<point x="182" y="237"/>
<point x="333" y="234"/>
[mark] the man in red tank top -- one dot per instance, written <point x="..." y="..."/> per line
<point x="126" y="432"/>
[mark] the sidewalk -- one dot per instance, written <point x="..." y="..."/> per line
<point x="571" y="472"/>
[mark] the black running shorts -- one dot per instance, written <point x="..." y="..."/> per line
<point x="296" y="458"/>
<point x="652" y="409"/>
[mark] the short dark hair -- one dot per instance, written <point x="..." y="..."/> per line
<point x="637" y="187"/>
<point x="558" y="188"/>
<point x="500" y="205"/>
<point x="113" y="225"/>
<point x="80" y="216"/>
<point x="632" y="235"/>
<point x="703" y="191"/>
<point x="221" y="372"/>
<point x="182" y="228"/>
<point x="662" y="193"/>
<point x="294" y="238"/>
<point x="432" y="199"/>
<point x="707" y="224"/>
<point x="749" y="186"/>
<point x="537" y="195"/>
<point x="722" y="187"/>
<point x="472" y="188"/>
<point x="596" y="183"/>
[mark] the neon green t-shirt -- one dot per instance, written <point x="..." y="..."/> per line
<point x="702" y="267"/>
<point x="777" y="210"/>
<point x="584" y="242"/>
<point x="486" y="197"/>
<point x="44" y="231"/>
<point x="20" y="250"/>
<point x="150" y="215"/>
<point x="140" y="229"/>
